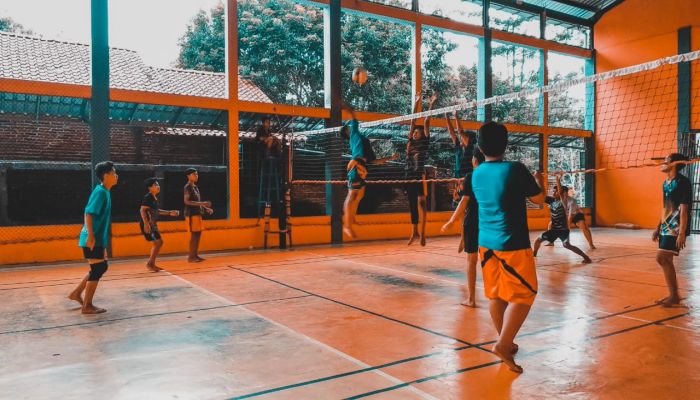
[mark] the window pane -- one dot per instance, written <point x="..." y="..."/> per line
<point x="567" y="108"/>
<point x="449" y="63"/>
<point x="516" y="68"/>
<point x="383" y="49"/>
<point x="568" y="153"/>
<point x="280" y="47"/>
<point x="514" y="20"/>
<point x="469" y="11"/>
<point x="564" y="32"/>
<point x="185" y="55"/>
<point x="407" y="4"/>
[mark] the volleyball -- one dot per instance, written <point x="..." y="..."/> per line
<point x="359" y="76"/>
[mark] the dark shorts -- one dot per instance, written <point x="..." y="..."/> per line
<point x="554" y="234"/>
<point x="578" y="217"/>
<point x="470" y="235"/>
<point x="153" y="236"/>
<point x="668" y="244"/>
<point x="97" y="253"/>
<point x="355" y="182"/>
<point x="414" y="189"/>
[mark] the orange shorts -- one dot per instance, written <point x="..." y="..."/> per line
<point x="194" y="223"/>
<point x="509" y="275"/>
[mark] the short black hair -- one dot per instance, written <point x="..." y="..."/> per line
<point x="564" y="188"/>
<point x="674" y="157"/>
<point x="265" y="118"/>
<point x="103" y="168"/>
<point x="189" y="171"/>
<point x="493" y="139"/>
<point x="150" y="182"/>
<point x="478" y="155"/>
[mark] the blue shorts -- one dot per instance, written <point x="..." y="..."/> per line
<point x="355" y="182"/>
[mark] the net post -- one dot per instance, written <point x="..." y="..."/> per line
<point x="333" y="164"/>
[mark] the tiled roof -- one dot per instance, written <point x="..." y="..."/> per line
<point x="36" y="59"/>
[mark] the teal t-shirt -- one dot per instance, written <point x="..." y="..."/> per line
<point x="500" y="188"/>
<point x="100" y="207"/>
<point x="360" y="145"/>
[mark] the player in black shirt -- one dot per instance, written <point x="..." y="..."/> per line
<point x="416" y="157"/>
<point x="468" y="210"/>
<point x="149" y="221"/>
<point x="560" y="224"/>
<point x="673" y="227"/>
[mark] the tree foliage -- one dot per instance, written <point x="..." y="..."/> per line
<point x="7" y="24"/>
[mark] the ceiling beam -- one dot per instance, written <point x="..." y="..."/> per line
<point x="536" y="10"/>
<point x="578" y="5"/>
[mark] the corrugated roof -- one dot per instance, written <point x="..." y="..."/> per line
<point x="35" y="59"/>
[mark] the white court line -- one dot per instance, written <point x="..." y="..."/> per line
<point x="481" y="286"/>
<point x="333" y="350"/>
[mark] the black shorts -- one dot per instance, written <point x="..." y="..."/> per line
<point x="668" y="244"/>
<point x="470" y="235"/>
<point x="578" y="217"/>
<point x="97" y="253"/>
<point x="414" y="189"/>
<point x="153" y="236"/>
<point x="553" y="234"/>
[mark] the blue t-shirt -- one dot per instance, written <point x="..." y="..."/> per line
<point x="360" y="146"/>
<point x="500" y="188"/>
<point x="100" y="207"/>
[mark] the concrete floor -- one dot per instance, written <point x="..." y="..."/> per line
<point x="372" y="320"/>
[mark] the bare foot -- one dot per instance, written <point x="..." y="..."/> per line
<point x="93" y="310"/>
<point x="514" y="349"/>
<point x="200" y="258"/>
<point x="593" y="247"/>
<point x="349" y="232"/>
<point x="586" y="260"/>
<point x="507" y="357"/>
<point x="153" y="268"/>
<point x="411" y="239"/>
<point x="549" y="244"/>
<point x="422" y="240"/>
<point x="76" y="297"/>
<point x="669" y="302"/>
<point x="469" y="303"/>
<point x="194" y="260"/>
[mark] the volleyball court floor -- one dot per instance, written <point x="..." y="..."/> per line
<point x="375" y="320"/>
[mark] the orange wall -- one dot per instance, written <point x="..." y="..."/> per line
<point x="636" y="117"/>
<point x="220" y="235"/>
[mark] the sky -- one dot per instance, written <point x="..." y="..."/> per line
<point x="151" y="27"/>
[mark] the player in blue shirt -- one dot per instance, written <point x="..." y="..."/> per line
<point x="361" y="154"/>
<point x="94" y="237"/>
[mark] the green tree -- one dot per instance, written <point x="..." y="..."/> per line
<point x="202" y="47"/>
<point x="7" y="24"/>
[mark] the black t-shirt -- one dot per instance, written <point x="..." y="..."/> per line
<point x="193" y="191"/>
<point x="417" y="154"/>
<point x="152" y="212"/>
<point x="676" y="192"/>
<point x="558" y="213"/>
<point x="471" y="214"/>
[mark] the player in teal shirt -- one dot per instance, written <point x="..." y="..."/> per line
<point x="94" y="237"/>
<point x="362" y="154"/>
<point x="507" y="262"/>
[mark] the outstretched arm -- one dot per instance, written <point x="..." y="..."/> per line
<point x="346" y="106"/>
<point x="416" y="105"/>
<point x="539" y="198"/>
<point x="426" y="125"/>
<point x="384" y="160"/>
<point x="457" y="214"/>
<point x="451" y="129"/>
